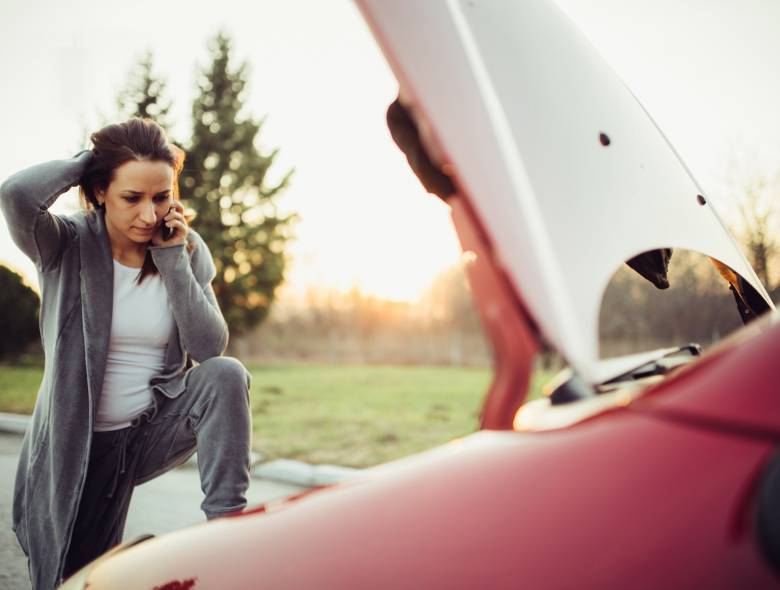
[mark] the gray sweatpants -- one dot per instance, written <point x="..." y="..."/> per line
<point x="211" y="416"/>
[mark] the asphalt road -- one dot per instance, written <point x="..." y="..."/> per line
<point x="13" y="572"/>
<point x="170" y="502"/>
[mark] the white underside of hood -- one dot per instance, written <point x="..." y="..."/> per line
<point x="517" y="100"/>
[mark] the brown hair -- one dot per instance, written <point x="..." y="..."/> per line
<point x="134" y="140"/>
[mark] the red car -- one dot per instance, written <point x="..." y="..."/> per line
<point x="659" y="470"/>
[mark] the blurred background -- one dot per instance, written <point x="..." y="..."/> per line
<point x="331" y="257"/>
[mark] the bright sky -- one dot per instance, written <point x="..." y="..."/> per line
<point x="705" y="69"/>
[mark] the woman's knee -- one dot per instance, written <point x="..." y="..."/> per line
<point x="227" y="373"/>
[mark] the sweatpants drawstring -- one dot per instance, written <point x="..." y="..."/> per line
<point x="122" y="459"/>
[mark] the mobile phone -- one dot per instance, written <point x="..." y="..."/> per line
<point x="167" y="232"/>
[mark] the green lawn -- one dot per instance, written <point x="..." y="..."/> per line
<point x="18" y="388"/>
<point x="347" y="415"/>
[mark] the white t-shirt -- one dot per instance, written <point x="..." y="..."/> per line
<point x="140" y="327"/>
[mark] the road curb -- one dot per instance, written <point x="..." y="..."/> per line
<point x="13" y="423"/>
<point x="280" y="470"/>
<point x="302" y="474"/>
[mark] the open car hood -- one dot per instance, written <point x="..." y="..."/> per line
<point x="521" y="105"/>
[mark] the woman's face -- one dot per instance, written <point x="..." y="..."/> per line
<point x="137" y="199"/>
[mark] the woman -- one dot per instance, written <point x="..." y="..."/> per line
<point x="124" y="314"/>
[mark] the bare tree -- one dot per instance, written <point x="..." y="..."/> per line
<point x="755" y="195"/>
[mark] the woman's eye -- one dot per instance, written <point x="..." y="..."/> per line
<point x="157" y="199"/>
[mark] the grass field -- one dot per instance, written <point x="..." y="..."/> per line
<point x="346" y="415"/>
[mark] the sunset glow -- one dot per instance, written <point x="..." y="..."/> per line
<point x="316" y="72"/>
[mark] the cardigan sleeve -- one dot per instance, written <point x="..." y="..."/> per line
<point x="25" y="199"/>
<point x="202" y="328"/>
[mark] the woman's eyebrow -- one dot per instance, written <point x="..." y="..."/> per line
<point x="141" y="193"/>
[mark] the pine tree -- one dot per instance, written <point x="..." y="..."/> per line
<point x="19" y="308"/>
<point x="143" y="96"/>
<point x="224" y="182"/>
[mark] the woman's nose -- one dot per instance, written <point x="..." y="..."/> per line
<point x="148" y="215"/>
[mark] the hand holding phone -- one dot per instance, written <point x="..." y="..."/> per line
<point x="167" y="232"/>
<point x="177" y="234"/>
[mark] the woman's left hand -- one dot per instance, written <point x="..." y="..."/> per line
<point x="175" y="220"/>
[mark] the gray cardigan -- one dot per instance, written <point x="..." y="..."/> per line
<point x="73" y="257"/>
